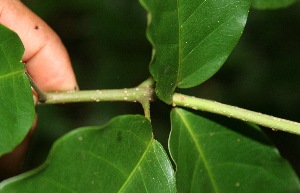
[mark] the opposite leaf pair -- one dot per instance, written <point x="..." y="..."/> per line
<point x="122" y="156"/>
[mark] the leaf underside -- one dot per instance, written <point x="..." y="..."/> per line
<point x="272" y="4"/>
<point x="121" y="156"/>
<point x="17" y="108"/>
<point x="191" y="39"/>
<point x="210" y="157"/>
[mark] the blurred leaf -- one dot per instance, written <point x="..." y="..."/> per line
<point x="17" y="108"/>
<point x="121" y="156"/>
<point x="213" y="158"/>
<point x="191" y="39"/>
<point x="272" y="4"/>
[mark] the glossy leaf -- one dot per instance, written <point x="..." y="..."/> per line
<point x="17" y="108"/>
<point x="210" y="157"/>
<point x="191" y="39"/>
<point x="121" y="156"/>
<point x="272" y="4"/>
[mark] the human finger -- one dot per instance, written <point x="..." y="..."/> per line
<point x="46" y="58"/>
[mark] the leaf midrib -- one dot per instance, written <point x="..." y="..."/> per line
<point x="136" y="167"/>
<point x="179" y="44"/>
<point x="179" y="40"/>
<point x="199" y="149"/>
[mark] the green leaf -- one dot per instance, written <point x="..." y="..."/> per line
<point x="121" y="156"/>
<point x="210" y="157"/>
<point x="191" y="39"/>
<point x="17" y="108"/>
<point x="272" y="4"/>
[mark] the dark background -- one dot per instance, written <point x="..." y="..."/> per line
<point x="107" y="44"/>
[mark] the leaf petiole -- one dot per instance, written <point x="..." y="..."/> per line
<point x="41" y="95"/>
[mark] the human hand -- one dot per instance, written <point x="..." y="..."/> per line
<point x="46" y="59"/>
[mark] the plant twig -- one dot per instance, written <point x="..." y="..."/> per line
<point x="236" y="112"/>
<point x="142" y="94"/>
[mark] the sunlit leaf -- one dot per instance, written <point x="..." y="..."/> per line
<point x="121" y="156"/>
<point x="210" y="157"/>
<point x="272" y="4"/>
<point x="17" y="108"/>
<point x="191" y="39"/>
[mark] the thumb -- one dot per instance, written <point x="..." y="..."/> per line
<point x="46" y="58"/>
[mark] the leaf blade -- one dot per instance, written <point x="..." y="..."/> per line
<point x="228" y="161"/>
<point x="17" y="108"/>
<point x="191" y="40"/>
<point x="121" y="156"/>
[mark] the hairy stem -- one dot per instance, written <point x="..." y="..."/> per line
<point x="236" y="112"/>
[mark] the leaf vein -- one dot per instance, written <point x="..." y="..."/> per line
<point x="212" y="32"/>
<point x="199" y="149"/>
<point x="136" y="168"/>
<point x="11" y="74"/>
<point x="60" y="185"/>
<point x="106" y="161"/>
<point x="200" y="5"/>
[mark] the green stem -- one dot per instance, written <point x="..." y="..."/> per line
<point x="236" y="112"/>
<point x="142" y="94"/>
<point x="130" y="95"/>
